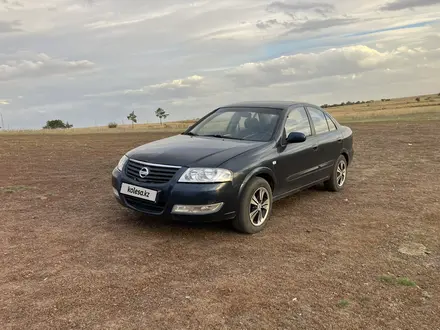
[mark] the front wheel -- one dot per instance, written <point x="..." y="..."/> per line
<point x="255" y="207"/>
<point x="339" y="175"/>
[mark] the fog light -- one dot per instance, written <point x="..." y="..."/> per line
<point x="196" y="209"/>
<point x="115" y="192"/>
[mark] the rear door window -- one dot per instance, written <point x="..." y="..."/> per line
<point x="319" y="120"/>
<point x="331" y="124"/>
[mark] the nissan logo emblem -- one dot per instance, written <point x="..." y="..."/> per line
<point x="144" y="171"/>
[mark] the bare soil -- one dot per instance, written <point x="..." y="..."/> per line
<point x="72" y="258"/>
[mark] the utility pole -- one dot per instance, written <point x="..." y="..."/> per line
<point x="3" y="123"/>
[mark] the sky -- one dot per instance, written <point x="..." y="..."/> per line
<point x="91" y="62"/>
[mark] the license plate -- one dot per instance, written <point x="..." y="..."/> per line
<point x="139" y="192"/>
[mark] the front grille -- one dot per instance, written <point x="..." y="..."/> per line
<point x="144" y="206"/>
<point x="157" y="173"/>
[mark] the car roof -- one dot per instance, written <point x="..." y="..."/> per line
<point x="282" y="105"/>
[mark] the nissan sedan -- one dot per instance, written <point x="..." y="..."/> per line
<point x="235" y="162"/>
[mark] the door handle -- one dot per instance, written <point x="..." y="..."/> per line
<point x="315" y="147"/>
<point x="339" y="140"/>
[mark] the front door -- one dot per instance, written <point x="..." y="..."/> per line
<point x="297" y="163"/>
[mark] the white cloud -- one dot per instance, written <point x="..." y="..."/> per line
<point x="179" y="83"/>
<point x="10" y="26"/>
<point x="115" y="23"/>
<point x="408" y="4"/>
<point x="291" y="8"/>
<point x="169" y="89"/>
<point x="271" y="77"/>
<point x="41" y="65"/>
<point x="304" y="66"/>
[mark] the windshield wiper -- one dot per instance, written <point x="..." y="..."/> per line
<point x="190" y="134"/>
<point x="222" y="136"/>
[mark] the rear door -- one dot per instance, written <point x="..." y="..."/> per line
<point x="328" y="140"/>
<point x="297" y="163"/>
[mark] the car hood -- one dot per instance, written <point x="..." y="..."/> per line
<point x="184" y="150"/>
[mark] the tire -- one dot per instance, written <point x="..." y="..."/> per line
<point x="336" y="182"/>
<point x="243" y="222"/>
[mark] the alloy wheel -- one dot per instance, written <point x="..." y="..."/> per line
<point x="341" y="173"/>
<point x="259" y="206"/>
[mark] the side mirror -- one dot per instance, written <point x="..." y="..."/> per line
<point x="296" y="137"/>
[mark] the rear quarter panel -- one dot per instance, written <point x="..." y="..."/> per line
<point x="347" y="138"/>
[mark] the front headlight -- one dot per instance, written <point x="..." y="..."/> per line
<point x="122" y="162"/>
<point x="206" y="175"/>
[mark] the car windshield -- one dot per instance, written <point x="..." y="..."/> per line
<point x="255" y="124"/>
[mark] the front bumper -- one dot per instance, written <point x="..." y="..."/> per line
<point x="174" y="193"/>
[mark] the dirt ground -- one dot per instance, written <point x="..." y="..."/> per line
<point x="72" y="258"/>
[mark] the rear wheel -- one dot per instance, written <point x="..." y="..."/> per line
<point x="339" y="175"/>
<point x="255" y="207"/>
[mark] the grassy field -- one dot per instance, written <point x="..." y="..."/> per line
<point x="402" y="109"/>
<point x="365" y="258"/>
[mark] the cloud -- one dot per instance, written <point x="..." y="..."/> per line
<point x="11" y="4"/>
<point x="349" y="61"/>
<point x="6" y="27"/>
<point x="314" y="25"/>
<point x="267" y="24"/>
<point x="307" y="25"/>
<point x="41" y="65"/>
<point x="116" y="23"/>
<point x="305" y="66"/>
<point x="190" y="56"/>
<point x="291" y="8"/>
<point x="302" y="23"/>
<point x="179" y="83"/>
<point x="408" y="4"/>
<point x="169" y="89"/>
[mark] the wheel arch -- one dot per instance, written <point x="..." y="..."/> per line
<point x="262" y="172"/>
<point x="345" y="154"/>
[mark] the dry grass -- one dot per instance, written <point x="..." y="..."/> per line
<point x="401" y="109"/>
<point x="167" y="127"/>
<point x="73" y="258"/>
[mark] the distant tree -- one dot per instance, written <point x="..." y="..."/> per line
<point x="133" y="118"/>
<point x="57" y="123"/>
<point x="161" y="114"/>
<point x="112" y="125"/>
<point x="418" y="99"/>
<point x="324" y="106"/>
